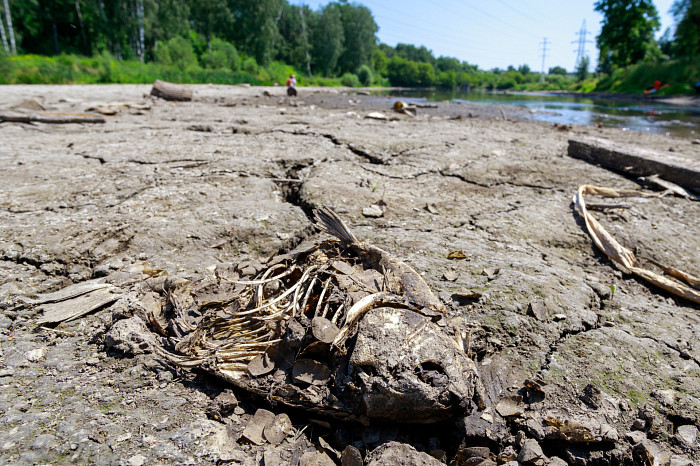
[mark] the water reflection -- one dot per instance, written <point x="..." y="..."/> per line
<point x="645" y="116"/>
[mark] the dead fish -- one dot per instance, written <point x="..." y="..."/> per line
<point x="342" y="329"/>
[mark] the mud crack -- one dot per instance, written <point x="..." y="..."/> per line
<point x="681" y="352"/>
<point x="563" y="335"/>
<point x="94" y="157"/>
<point x="497" y="183"/>
<point x="373" y="159"/>
<point x="292" y="188"/>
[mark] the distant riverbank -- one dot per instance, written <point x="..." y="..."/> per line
<point x="672" y="115"/>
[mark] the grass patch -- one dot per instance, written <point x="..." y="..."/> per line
<point x="679" y="75"/>
<point x="105" y="69"/>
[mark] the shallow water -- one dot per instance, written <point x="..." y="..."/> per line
<point x="634" y="115"/>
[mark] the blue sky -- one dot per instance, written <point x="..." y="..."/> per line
<point x="493" y="33"/>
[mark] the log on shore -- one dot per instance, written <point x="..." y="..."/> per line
<point x="56" y="118"/>
<point x="637" y="161"/>
<point x="170" y="91"/>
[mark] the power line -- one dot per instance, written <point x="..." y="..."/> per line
<point x="410" y="29"/>
<point x="582" y="41"/>
<point x="511" y="7"/>
<point x="495" y="18"/>
<point x="544" y="51"/>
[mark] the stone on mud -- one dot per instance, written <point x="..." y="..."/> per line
<point x="399" y="454"/>
<point x="687" y="435"/>
<point x="531" y="453"/>
<point x="256" y="426"/>
<point x="130" y="336"/>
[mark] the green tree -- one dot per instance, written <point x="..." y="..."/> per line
<point x="177" y="52"/>
<point x="210" y="18"/>
<point x="379" y="61"/>
<point x="411" y="52"/>
<point x="364" y="74"/>
<point x="327" y="40"/>
<point x="557" y="70"/>
<point x="402" y="72"/>
<point x="582" y="68"/>
<point x="221" y="54"/>
<point x="687" y="36"/>
<point x="627" y="35"/>
<point x="294" y="26"/>
<point x="166" y="19"/>
<point x="359" y="31"/>
<point x="255" y="27"/>
<point x="447" y="64"/>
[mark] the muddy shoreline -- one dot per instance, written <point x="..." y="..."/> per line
<point x="235" y="175"/>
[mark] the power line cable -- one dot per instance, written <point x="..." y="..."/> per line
<point x="457" y="41"/>
<point x="495" y="18"/>
<point x="510" y="7"/>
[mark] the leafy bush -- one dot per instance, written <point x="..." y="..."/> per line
<point x="177" y="52"/>
<point x="350" y="80"/>
<point x="249" y="65"/>
<point x="447" y="79"/>
<point x="321" y="81"/>
<point x="223" y="55"/>
<point x="557" y="70"/>
<point x="508" y="83"/>
<point x="402" y="72"/>
<point x="107" y="68"/>
<point x="364" y="74"/>
<point x="279" y="72"/>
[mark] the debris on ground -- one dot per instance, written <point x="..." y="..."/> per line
<point x="623" y="258"/>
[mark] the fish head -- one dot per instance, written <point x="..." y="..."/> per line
<point x="408" y="369"/>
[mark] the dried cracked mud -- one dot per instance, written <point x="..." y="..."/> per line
<point x="575" y="372"/>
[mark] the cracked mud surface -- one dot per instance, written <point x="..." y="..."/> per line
<point x="235" y="175"/>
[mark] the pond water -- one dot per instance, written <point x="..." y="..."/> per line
<point x="635" y="115"/>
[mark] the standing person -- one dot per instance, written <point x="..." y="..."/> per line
<point x="292" y="86"/>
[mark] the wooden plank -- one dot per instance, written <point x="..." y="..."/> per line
<point x="56" y="118"/>
<point x="73" y="308"/>
<point x="70" y="292"/>
<point x="637" y="161"/>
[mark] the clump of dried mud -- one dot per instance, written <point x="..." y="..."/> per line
<point x="577" y="373"/>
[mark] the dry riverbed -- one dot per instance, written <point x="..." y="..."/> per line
<point x="574" y="372"/>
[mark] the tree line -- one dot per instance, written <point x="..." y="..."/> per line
<point x="336" y="40"/>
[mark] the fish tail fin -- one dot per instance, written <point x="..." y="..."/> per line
<point x="334" y="225"/>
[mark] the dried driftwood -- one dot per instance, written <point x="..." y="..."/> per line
<point x="637" y="161"/>
<point x="46" y="117"/>
<point x="623" y="258"/>
<point x="75" y="301"/>
<point x="170" y="91"/>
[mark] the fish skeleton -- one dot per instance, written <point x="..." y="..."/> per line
<point x="342" y="329"/>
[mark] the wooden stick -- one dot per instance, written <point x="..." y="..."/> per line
<point x="170" y="91"/>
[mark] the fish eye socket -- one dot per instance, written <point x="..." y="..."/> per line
<point x="427" y="366"/>
<point x="431" y="373"/>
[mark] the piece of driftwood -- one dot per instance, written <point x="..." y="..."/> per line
<point x="72" y="308"/>
<point x="637" y="161"/>
<point x="56" y="118"/>
<point x="667" y="186"/>
<point x="684" y="284"/>
<point x="67" y="293"/>
<point x="170" y="91"/>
